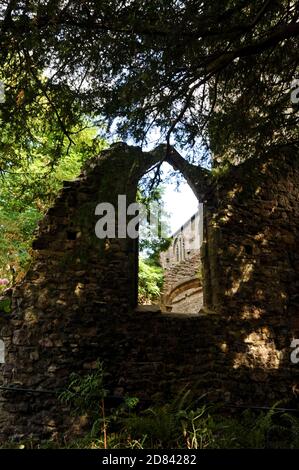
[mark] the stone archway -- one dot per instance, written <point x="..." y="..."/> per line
<point x="76" y="286"/>
<point x="75" y="304"/>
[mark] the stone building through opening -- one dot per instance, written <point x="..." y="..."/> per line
<point x="77" y="302"/>
<point x="179" y="260"/>
<point x="182" y="266"/>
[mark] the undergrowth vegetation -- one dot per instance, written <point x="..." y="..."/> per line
<point x="187" y="421"/>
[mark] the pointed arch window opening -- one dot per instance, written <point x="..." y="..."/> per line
<point x="181" y="250"/>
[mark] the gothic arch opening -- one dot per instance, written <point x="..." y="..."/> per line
<point x="76" y="302"/>
<point x="170" y="274"/>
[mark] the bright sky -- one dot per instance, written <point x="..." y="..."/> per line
<point x="181" y="205"/>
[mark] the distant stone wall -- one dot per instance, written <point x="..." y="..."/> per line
<point x="76" y="304"/>
<point x="187" y="300"/>
<point x="182" y="288"/>
<point x="184" y="242"/>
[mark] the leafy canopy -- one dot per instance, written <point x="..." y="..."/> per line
<point x="154" y="237"/>
<point x="27" y="191"/>
<point x="205" y="73"/>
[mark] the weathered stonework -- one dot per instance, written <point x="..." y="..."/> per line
<point x="184" y="242"/>
<point x="76" y="303"/>
<point x="182" y="288"/>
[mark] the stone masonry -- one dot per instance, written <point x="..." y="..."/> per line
<point x="77" y="302"/>
<point x="182" y="288"/>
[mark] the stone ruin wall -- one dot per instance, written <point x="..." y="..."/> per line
<point x="182" y="287"/>
<point x="76" y="304"/>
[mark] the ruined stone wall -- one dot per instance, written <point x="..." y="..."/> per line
<point x="180" y="272"/>
<point x="187" y="300"/>
<point x="251" y="262"/>
<point x="250" y="253"/>
<point x="76" y="303"/>
<point x="178" y="294"/>
<point x="74" y="279"/>
<point x="184" y="243"/>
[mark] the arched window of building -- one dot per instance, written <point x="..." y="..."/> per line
<point x="183" y="257"/>
<point x="181" y="290"/>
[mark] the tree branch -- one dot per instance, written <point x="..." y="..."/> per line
<point x="197" y="177"/>
<point x="49" y="99"/>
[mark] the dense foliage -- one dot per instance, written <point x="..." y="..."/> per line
<point x="202" y="71"/>
<point x="150" y="282"/>
<point x="154" y="237"/>
<point x="28" y="191"/>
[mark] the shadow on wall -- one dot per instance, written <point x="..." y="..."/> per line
<point x="75" y="304"/>
<point x="256" y="264"/>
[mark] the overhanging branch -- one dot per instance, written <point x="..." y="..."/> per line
<point x="197" y="177"/>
